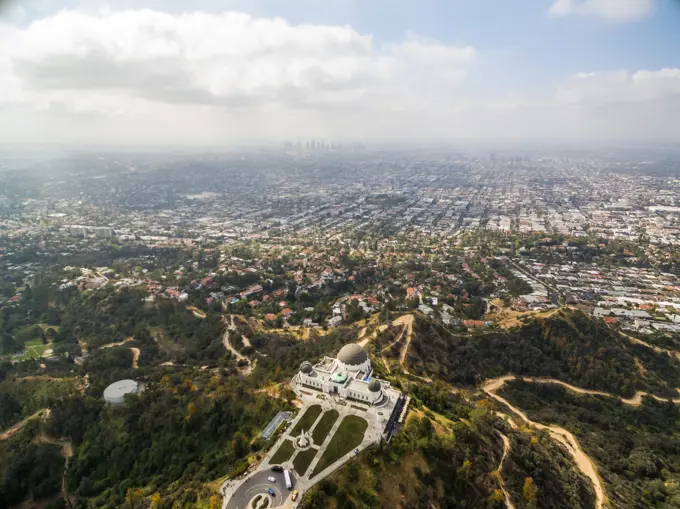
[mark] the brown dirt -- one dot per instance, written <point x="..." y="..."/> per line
<point x="135" y="357"/>
<point x="197" y="312"/>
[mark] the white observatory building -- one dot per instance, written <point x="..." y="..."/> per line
<point x="348" y="376"/>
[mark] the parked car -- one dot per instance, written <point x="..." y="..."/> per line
<point x="271" y="479"/>
<point x="277" y="468"/>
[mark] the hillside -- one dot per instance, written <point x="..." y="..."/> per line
<point x="456" y="449"/>
<point x="452" y="459"/>
<point x="636" y="448"/>
<point x="568" y="345"/>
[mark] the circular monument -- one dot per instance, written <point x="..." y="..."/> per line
<point x="353" y="358"/>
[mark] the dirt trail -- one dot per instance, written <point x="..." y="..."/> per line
<point x="42" y="438"/>
<point x="583" y="462"/>
<point x="657" y="349"/>
<point x="506" y="450"/>
<point x="239" y="356"/>
<point x="44" y="412"/>
<point x="135" y="357"/>
<point x="119" y="343"/>
<point x="636" y="400"/>
<point x="197" y="312"/>
<point x="48" y="378"/>
<point x="364" y="340"/>
<point x="66" y="452"/>
<point x="407" y="322"/>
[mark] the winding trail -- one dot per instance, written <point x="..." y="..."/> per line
<point x="43" y="438"/>
<point x="657" y="349"/>
<point x="118" y="343"/>
<point x="566" y="438"/>
<point x="66" y="452"/>
<point x="506" y="450"/>
<point x="496" y="383"/>
<point x="583" y="461"/>
<point x="364" y="340"/>
<point x="135" y="351"/>
<point x="239" y="356"/>
<point x="20" y="425"/>
<point x="407" y="322"/>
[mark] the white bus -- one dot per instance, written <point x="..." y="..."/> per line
<point x="286" y="476"/>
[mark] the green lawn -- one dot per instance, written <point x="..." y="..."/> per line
<point x="303" y="460"/>
<point x="34" y="349"/>
<point x="284" y="453"/>
<point x="348" y="436"/>
<point x="324" y="426"/>
<point x="307" y="420"/>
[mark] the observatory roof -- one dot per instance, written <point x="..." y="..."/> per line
<point x="352" y="355"/>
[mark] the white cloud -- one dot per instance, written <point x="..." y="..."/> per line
<point x="612" y="10"/>
<point x="622" y="87"/>
<point x="148" y="76"/>
<point x="230" y="60"/>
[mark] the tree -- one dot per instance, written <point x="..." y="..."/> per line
<point x="240" y="444"/>
<point x="133" y="497"/>
<point x="530" y="492"/>
<point x="214" y="502"/>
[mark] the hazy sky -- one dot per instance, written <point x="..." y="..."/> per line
<point x="215" y="72"/>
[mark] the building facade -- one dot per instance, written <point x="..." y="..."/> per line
<point x="348" y="376"/>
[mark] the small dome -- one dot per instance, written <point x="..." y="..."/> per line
<point x="374" y="386"/>
<point x="352" y="355"/>
<point x="306" y="367"/>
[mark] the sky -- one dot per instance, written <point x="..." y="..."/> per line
<point x="210" y="72"/>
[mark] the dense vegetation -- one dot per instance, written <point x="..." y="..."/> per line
<point x="569" y="346"/>
<point x="447" y="455"/>
<point x="636" y="449"/>
<point x="535" y="455"/>
<point x="21" y="397"/>
<point x="205" y="425"/>
<point x="29" y="470"/>
<point x="199" y="419"/>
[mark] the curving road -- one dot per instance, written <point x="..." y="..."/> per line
<point x="258" y="483"/>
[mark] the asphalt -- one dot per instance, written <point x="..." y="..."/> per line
<point x="258" y="483"/>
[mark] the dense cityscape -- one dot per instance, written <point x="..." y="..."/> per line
<point x="225" y="270"/>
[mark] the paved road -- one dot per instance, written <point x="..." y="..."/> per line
<point x="258" y="483"/>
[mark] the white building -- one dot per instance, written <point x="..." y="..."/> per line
<point x="348" y="376"/>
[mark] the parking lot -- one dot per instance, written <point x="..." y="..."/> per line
<point x="258" y="483"/>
